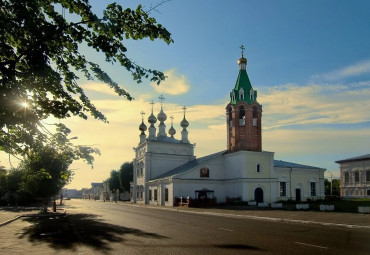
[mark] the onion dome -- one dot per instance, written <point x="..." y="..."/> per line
<point x="161" y="116"/>
<point x="152" y="119"/>
<point x="142" y="127"/>
<point x="242" y="60"/>
<point x="184" y="123"/>
<point x="172" y="131"/>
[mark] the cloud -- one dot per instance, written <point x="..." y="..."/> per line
<point x="357" y="69"/>
<point x="290" y="104"/>
<point x="175" y="83"/>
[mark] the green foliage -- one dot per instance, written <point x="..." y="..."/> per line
<point x="113" y="181"/>
<point x="40" y="57"/>
<point x="3" y="183"/>
<point x="327" y="187"/>
<point x="126" y="175"/>
<point x="45" y="170"/>
<point x="336" y="187"/>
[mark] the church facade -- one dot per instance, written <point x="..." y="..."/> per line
<point x="166" y="168"/>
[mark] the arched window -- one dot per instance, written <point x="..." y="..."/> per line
<point x="368" y="176"/>
<point x="233" y="96"/>
<point x="241" y="94"/>
<point x="251" y="94"/>
<point x="255" y="112"/>
<point x="241" y="116"/>
<point x="230" y="111"/>
<point x="258" y="168"/>
<point x="204" y="172"/>
<point x="357" y="176"/>
<point x="346" y="177"/>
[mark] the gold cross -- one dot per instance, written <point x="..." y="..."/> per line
<point x="184" y="109"/>
<point x="242" y="48"/>
<point x="152" y="103"/>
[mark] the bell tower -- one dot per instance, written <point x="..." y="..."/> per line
<point x="243" y="114"/>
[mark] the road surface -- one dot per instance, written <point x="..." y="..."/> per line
<point x="94" y="227"/>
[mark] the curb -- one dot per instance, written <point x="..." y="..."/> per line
<point x="9" y="221"/>
<point x="56" y="214"/>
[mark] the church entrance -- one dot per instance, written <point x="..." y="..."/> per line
<point x="298" y="195"/>
<point x="258" y="195"/>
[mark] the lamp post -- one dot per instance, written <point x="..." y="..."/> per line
<point x="331" y="183"/>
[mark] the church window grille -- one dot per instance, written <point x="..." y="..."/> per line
<point x="282" y="189"/>
<point x="166" y="195"/>
<point x="255" y="122"/>
<point x="368" y="175"/>
<point x="346" y="177"/>
<point x="155" y="195"/>
<point x="258" y="168"/>
<point x="357" y="176"/>
<point x="313" y="188"/>
<point x="241" y="116"/>
<point x="204" y="172"/>
<point x="150" y="195"/>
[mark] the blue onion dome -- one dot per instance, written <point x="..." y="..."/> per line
<point x="172" y="131"/>
<point x="162" y="116"/>
<point x="184" y="123"/>
<point x="152" y="119"/>
<point x="142" y="127"/>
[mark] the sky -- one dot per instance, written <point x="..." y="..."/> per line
<point x="308" y="60"/>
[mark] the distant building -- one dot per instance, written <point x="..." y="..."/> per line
<point x="355" y="176"/>
<point x="166" y="169"/>
<point x="72" y="193"/>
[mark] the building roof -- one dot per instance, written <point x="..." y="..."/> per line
<point x="285" y="164"/>
<point x="196" y="162"/>
<point x="359" y="158"/>
<point x="244" y="83"/>
<point x="189" y="165"/>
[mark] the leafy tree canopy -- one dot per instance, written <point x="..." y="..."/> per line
<point x="126" y="175"/>
<point x="45" y="170"/>
<point x="113" y="181"/>
<point x="40" y="57"/>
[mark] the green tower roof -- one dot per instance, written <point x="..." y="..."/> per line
<point x="243" y="90"/>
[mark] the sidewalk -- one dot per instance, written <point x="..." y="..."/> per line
<point x="8" y="214"/>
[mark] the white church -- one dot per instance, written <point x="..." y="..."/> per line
<point x="166" y="168"/>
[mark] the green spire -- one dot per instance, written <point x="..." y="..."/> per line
<point x="243" y="90"/>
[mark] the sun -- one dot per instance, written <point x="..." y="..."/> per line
<point x="24" y="104"/>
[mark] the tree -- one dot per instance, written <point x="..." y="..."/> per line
<point x="327" y="187"/>
<point x="45" y="169"/>
<point x="126" y="175"/>
<point x="3" y="181"/>
<point x="113" y="181"/>
<point x="336" y="187"/>
<point x="40" y="62"/>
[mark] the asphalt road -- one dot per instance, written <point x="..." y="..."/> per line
<point x="94" y="227"/>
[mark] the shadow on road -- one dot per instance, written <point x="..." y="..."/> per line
<point x="78" y="229"/>
<point x="238" y="247"/>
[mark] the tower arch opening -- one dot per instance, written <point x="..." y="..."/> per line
<point x="241" y="115"/>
